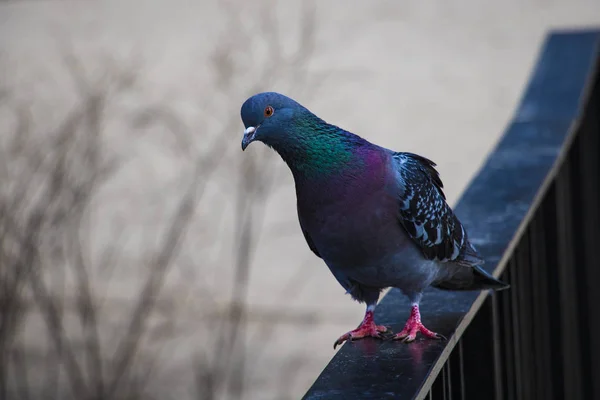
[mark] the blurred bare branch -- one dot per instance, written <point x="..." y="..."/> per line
<point x="53" y="272"/>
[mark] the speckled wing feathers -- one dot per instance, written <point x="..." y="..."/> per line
<point x="426" y="216"/>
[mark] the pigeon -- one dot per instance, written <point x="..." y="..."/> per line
<point x="376" y="217"/>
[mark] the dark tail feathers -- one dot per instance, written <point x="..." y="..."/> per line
<point x="479" y="280"/>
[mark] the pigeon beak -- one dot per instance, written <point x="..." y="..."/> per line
<point x="249" y="136"/>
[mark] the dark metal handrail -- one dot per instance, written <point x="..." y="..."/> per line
<point x="533" y="211"/>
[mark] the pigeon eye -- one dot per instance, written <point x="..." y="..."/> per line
<point x="269" y="111"/>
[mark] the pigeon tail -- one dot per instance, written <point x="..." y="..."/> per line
<point x="480" y="279"/>
<point x="469" y="255"/>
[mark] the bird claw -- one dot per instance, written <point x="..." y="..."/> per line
<point x="363" y="331"/>
<point x="409" y="333"/>
<point x="408" y="338"/>
<point x="413" y="326"/>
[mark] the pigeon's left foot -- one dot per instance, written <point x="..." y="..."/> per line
<point x="414" y="326"/>
<point x="367" y="328"/>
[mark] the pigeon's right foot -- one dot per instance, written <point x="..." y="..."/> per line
<point x="367" y="328"/>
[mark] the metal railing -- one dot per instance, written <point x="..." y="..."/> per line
<point x="533" y="211"/>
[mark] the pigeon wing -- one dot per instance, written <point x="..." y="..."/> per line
<point x="425" y="215"/>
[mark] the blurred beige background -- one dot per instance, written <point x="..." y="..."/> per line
<point x="438" y="78"/>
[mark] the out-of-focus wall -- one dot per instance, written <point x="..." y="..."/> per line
<point x="437" y="78"/>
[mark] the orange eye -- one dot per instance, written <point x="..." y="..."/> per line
<point x="269" y="111"/>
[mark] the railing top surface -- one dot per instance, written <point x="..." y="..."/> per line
<point x="494" y="208"/>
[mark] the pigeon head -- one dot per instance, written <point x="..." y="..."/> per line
<point x="268" y="117"/>
<point x="309" y="145"/>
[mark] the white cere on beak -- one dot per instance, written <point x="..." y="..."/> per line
<point x="249" y="130"/>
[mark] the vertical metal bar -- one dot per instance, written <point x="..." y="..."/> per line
<point x="462" y="372"/>
<point x="516" y="327"/>
<point x="508" y="327"/>
<point x="499" y="364"/>
<point x="579" y="223"/>
<point x="525" y="304"/>
<point x="478" y="360"/>
<point x="448" y="369"/>
<point x="455" y="373"/>
<point x="567" y="283"/>
<point x="589" y="151"/>
<point x="554" y="332"/>
<point x="445" y="381"/>
<point x="541" y="312"/>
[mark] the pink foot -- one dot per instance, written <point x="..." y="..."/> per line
<point x="367" y="328"/>
<point x="414" y="326"/>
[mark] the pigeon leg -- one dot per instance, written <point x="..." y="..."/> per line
<point x="414" y="326"/>
<point x="367" y="328"/>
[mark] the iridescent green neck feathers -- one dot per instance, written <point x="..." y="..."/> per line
<point x="316" y="149"/>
